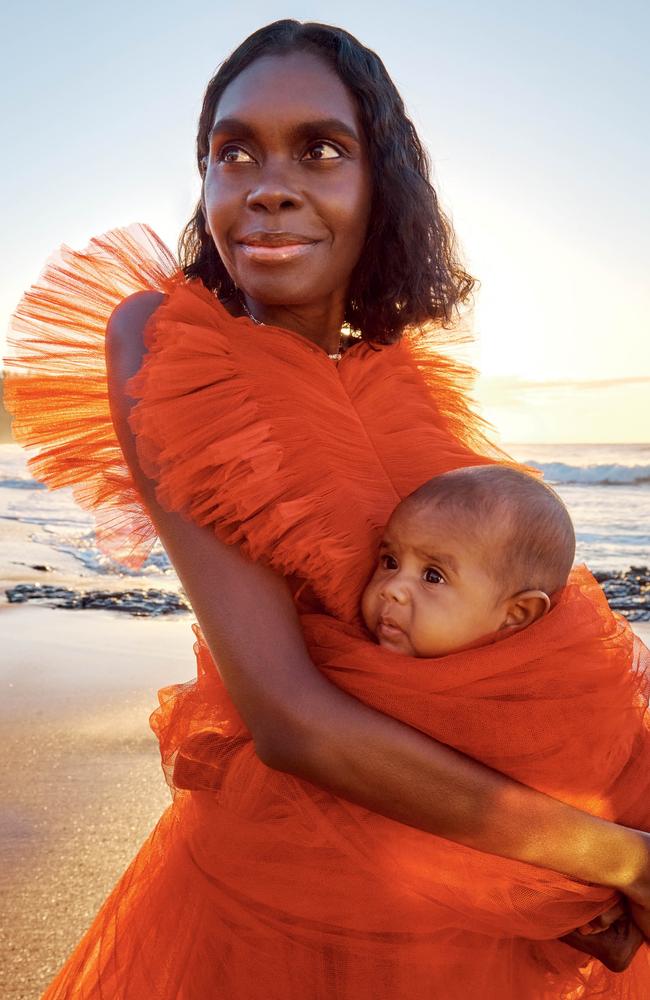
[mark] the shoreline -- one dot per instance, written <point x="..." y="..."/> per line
<point x="627" y="591"/>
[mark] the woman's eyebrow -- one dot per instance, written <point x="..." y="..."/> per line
<point x="325" y="126"/>
<point x="304" y="130"/>
<point x="235" y="126"/>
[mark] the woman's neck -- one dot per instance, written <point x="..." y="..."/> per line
<point x="318" y="322"/>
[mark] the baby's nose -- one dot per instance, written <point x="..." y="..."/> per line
<point x="396" y="589"/>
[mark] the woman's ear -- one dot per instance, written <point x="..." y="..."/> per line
<point x="525" y="608"/>
<point x="203" y="168"/>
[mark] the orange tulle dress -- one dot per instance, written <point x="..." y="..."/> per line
<point x="254" y="883"/>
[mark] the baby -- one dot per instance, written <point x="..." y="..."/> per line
<point x="474" y="554"/>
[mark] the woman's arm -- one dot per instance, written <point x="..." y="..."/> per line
<point x="303" y="724"/>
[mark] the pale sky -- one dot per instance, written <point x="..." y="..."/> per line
<point x="535" y="117"/>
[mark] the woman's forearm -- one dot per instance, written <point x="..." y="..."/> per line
<point x="307" y="726"/>
<point x="303" y="724"/>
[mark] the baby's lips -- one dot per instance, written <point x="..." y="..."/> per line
<point x="389" y="628"/>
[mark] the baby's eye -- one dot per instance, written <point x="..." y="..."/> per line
<point x="433" y="576"/>
<point x="388" y="561"/>
<point x="323" y="151"/>
<point x="234" y="154"/>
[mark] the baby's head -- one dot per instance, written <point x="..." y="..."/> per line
<point x="471" y="553"/>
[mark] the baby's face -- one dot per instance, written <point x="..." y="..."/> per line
<point x="429" y="594"/>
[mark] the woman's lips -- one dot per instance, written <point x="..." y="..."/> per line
<point x="263" y="254"/>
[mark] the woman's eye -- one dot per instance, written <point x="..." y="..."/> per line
<point x="323" y="151"/>
<point x="388" y="562"/>
<point x="234" y="154"/>
<point x="433" y="576"/>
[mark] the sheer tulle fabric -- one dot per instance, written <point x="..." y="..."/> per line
<point x="55" y="379"/>
<point x="561" y="706"/>
<point x="255" y="883"/>
<point x="253" y="430"/>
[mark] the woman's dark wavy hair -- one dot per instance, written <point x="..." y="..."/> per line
<point x="408" y="273"/>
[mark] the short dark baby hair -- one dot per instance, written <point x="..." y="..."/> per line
<point x="520" y="526"/>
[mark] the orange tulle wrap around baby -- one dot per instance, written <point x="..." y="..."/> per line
<point x="255" y="883"/>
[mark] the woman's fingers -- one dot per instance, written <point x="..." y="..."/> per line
<point x="605" y="920"/>
<point x="641" y="917"/>
<point x="615" y="947"/>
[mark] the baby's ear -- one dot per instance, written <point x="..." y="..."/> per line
<point x="525" y="608"/>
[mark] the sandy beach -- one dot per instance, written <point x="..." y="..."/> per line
<point x="81" y="775"/>
<point x="82" y="784"/>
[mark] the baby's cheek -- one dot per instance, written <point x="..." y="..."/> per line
<point x="426" y="633"/>
<point x="369" y="607"/>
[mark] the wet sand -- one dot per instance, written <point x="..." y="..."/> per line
<point x="82" y="784"/>
<point x="81" y="778"/>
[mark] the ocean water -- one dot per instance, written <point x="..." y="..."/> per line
<point x="605" y="487"/>
<point x="60" y="524"/>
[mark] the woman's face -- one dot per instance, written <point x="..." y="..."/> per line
<point x="287" y="188"/>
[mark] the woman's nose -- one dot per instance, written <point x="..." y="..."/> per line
<point x="274" y="191"/>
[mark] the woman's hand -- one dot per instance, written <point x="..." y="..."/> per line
<point x="613" y="938"/>
<point x="641" y="916"/>
<point x="638" y="891"/>
<point x="631" y="874"/>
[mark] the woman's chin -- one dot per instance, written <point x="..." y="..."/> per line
<point x="302" y="280"/>
<point x="276" y="289"/>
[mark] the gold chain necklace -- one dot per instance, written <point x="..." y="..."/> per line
<point x="258" y="322"/>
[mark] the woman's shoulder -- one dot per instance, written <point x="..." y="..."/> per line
<point x="125" y="341"/>
<point x="132" y="313"/>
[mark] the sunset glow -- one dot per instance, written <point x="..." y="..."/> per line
<point x="536" y="151"/>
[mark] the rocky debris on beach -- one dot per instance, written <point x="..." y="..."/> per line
<point x="141" y="603"/>
<point x="628" y="592"/>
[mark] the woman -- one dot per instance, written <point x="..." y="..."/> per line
<point x="315" y="210"/>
